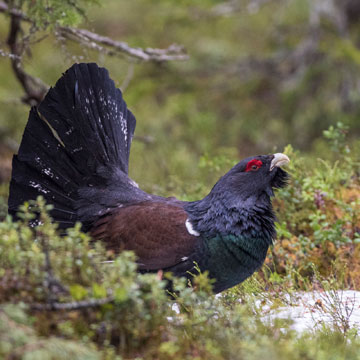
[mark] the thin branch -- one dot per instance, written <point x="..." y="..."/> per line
<point x="76" y="305"/>
<point x="128" y="77"/>
<point x="4" y="8"/>
<point x="9" y="55"/>
<point x="146" y="139"/>
<point x="11" y="144"/>
<point x="113" y="47"/>
<point x="54" y="286"/>
<point x="107" y="45"/>
<point x="34" y="88"/>
<point x="232" y="7"/>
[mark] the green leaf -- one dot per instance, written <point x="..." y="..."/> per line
<point x="99" y="291"/>
<point x="121" y="295"/>
<point x="78" y="292"/>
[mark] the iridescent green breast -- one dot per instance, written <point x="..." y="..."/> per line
<point x="231" y="259"/>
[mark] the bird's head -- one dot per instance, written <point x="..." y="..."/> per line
<point x="254" y="178"/>
<point x="239" y="203"/>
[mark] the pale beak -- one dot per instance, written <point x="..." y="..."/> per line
<point x="279" y="160"/>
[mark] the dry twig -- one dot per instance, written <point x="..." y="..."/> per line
<point x="70" y="306"/>
<point x="112" y="47"/>
<point x="9" y="55"/>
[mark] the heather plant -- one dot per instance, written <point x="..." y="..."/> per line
<point x="61" y="292"/>
<point x="319" y="212"/>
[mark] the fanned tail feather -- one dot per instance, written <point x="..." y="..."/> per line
<point x="75" y="149"/>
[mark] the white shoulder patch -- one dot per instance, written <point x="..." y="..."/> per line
<point x="190" y="228"/>
<point x="133" y="183"/>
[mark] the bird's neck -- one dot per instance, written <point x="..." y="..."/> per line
<point x="225" y="215"/>
<point x="236" y="235"/>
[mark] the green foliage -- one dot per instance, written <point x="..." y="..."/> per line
<point x="49" y="13"/>
<point x="337" y="138"/>
<point x="230" y="100"/>
<point x="3" y="200"/>
<point x="19" y="340"/>
<point x="319" y="212"/>
<point x="137" y="318"/>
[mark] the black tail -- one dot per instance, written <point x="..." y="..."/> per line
<point x="75" y="149"/>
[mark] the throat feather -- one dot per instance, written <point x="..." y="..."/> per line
<point x="219" y="217"/>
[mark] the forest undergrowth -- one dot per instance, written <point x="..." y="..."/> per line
<point x="58" y="299"/>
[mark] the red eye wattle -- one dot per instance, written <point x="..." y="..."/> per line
<point x="253" y="165"/>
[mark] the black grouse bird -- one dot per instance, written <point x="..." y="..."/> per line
<point x="75" y="152"/>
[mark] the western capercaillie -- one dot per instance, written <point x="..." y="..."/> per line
<point x="75" y="152"/>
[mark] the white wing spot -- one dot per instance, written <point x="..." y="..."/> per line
<point x="184" y="258"/>
<point x="48" y="172"/>
<point x="133" y="183"/>
<point x="190" y="228"/>
<point x="71" y="129"/>
<point x="38" y="187"/>
<point x="123" y="125"/>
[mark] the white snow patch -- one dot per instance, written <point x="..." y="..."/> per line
<point x="35" y="222"/>
<point x="311" y="310"/>
<point x="308" y="311"/>
<point x="175" y="307"/>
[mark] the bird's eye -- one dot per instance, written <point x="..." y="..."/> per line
<point x="253" y="165"/>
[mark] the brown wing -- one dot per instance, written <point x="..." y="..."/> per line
<point x="155" y="231"/>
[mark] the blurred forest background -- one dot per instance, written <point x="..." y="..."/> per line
<point x="210" y="82"/>
<point x="260" y="74"/>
